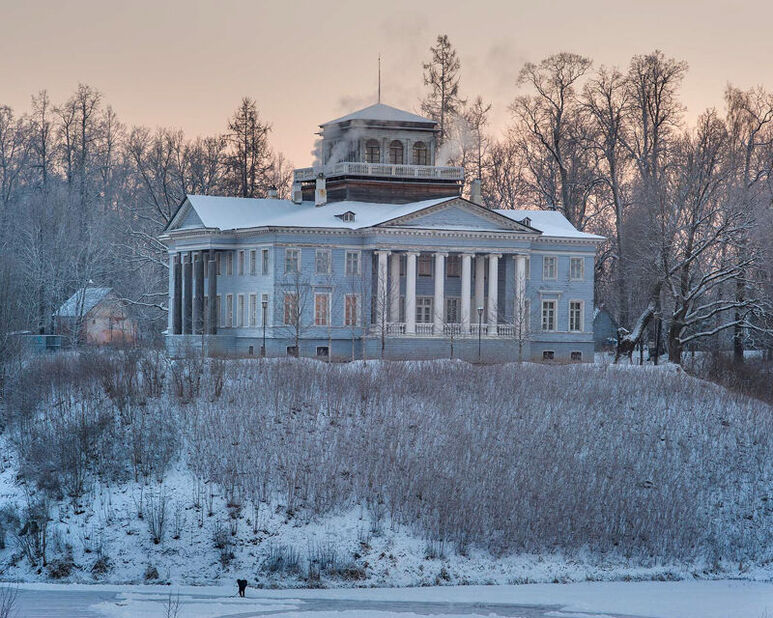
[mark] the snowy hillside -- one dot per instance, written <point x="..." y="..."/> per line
<point x="297" y="473"/>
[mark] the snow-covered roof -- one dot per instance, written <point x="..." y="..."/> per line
<point x="381" y="112"/>
<point x="83" y="301"/>
<point x="549" y="222"/>
<point x="235" y="213"/>
<point x="231" y="213"/>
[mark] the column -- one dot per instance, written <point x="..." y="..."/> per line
<point x="170" y="311"/>
<point x="520" y="292"/>
<point x="466" y="290"/>
<point x="198" y="294"/>
<point x="381" y="288"/>
<point x="480" y="280"/>
<point x="493" y="298"/>
<point x="410" y="293"/>
<point x="212" y="293"/>
<point x="394" y="287"/>
<point x="439" y="302"/>
<point x="177" y="308"/>
<point x="187" y="294"/>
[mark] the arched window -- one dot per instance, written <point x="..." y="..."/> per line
<point x="396" y="152"/>
<point x="372" y="151"/>
<point x="420" y="154"/>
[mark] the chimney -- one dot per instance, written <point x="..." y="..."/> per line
<point x="475" y="192"/>
<point x="273" y="194"/>
<point x="297" y="193"/>
<point x="320" y="194"/>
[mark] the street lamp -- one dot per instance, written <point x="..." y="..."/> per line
<point x="264" y="303"/>
<point x="480" y="330"/>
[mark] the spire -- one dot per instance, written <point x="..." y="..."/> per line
<point x="379" y="77"/>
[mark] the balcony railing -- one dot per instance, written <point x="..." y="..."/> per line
<point x="450" y="329"/>
<point x="381" y="170"/>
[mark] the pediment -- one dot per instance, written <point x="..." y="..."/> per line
<point x="185" y="218"/>
<point x="458" y="214"/>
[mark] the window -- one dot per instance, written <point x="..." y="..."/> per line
<point x="229" y="263"/>
<point x="253" y="310"/>
<point x="251" y="350"/>
<point x="240" y="313"/>
<point x="575" y="315"/>
<point x="424" y="309"/>
<point x="323" y="351"/>
<point x="575" y="356"/>
<point x="577" y="269"/>
<point x="548" y="315"/>
<point x="453" y="266"/>
<point x="322" y="261"/>
<point x="292" y="350"/>
<point x="396" y="152"/>
<point x="229" y="310"/>
<point x="241" y="262"/>
<point x="292" y="261"/>
<point x="420" y="154"/>
<point x="351" y="310"/>
<point x="528" y="268"/>
<point x="253" y="262"/>
<point x="548" y="355"/>
<point x="549" y="267"/>
<point x="352" y="262"/>
<point x="321" y="309"/>
<point x="219" y="310"/>
<point x="265" y="261"/>
<point x="219" y="263"/>
<point x="452" y="310"/>
<point x="424" y="265"/>
<point x="372" y="151"/>
<point x="290" y="308"/>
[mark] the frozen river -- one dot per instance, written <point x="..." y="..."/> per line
<point x="693" y="599"/>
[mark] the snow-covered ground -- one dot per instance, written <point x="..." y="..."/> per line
<point x="694" y="599"/>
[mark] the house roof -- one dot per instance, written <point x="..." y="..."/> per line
<point x="233" y="213"/>
<point x="383" y="113"/>
<point x="549" y="222"/>
<point x="83" y="301"/>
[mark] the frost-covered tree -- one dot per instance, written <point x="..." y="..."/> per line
<point x="442" y="75"/>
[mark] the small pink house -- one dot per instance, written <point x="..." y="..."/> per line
<point x="96" y="316"/>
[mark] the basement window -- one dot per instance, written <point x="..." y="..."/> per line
<point x="548" y="355"/>
<point x="576" y="356"/>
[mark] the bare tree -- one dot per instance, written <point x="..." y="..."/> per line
<point x="552" y="134"/>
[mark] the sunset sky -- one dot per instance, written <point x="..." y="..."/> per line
<point x="187" y="63"/>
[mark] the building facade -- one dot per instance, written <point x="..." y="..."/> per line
<point x="377" y="255"/>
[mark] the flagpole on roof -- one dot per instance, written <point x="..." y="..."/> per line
<point x="379" y="77"/>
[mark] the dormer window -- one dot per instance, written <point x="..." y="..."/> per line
<point x="372" y="151"/>
<point x="347" y="216"/>
<point x="396" y="152"/>
<point x="420" y="154"/>
<point x="526" y="221"/>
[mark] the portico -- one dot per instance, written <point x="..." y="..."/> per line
<point x="397" y="315"/>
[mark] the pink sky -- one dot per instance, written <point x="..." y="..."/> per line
<point x="187" y="63"/>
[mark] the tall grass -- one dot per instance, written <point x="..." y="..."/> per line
<point x="648" y="464"/>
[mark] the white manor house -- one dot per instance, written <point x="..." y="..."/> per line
<point x="378" y="255"/>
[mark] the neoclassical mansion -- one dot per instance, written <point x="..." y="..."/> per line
<point x="378" y="255"/>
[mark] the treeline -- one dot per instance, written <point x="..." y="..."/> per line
<point x="686" y="208"/>
<point x="83" y="198"/>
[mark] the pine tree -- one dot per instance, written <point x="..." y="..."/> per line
<point x="441" y="74"/>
